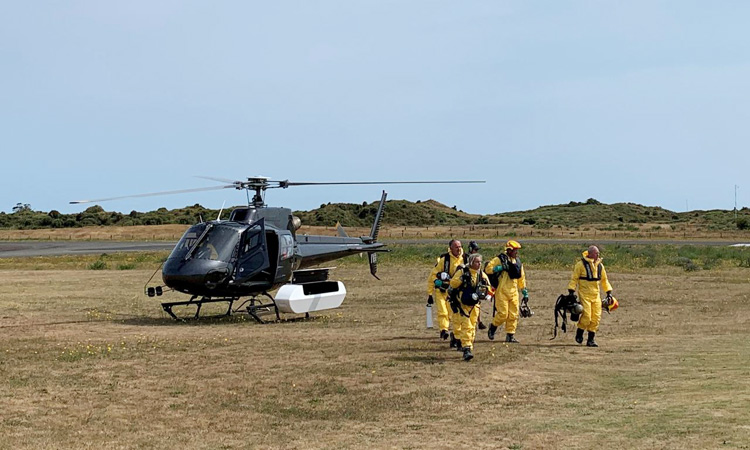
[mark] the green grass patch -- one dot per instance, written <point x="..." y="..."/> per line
<point x="563" y="256"/>
<point x="97" y="265"/>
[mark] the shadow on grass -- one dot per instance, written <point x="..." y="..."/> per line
<point x="165" y="321"/>
<point x="233" y="319"/>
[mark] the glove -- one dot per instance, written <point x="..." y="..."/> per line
<point x="430" y="301"/>
<point x="498" y="268"/>
<point x="609" y="297"/>
<point x="525" y="293"/>
<point x="525" y="300"/>
<point x="571" y="291"/>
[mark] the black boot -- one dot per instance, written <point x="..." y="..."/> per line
<point x="579" y="335"/>
<point x="591" y="342"/>
<point x="459" y="347"/>
<point x="453" y="341"/>
<point x="481" y="325"/>
<point x="443" y="334"/>
<point x="491" y="332"/>
<point x="467" y="354"/>
<point x="511" y="338"/>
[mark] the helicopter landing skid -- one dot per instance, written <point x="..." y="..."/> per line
<point x="167" y="307"/>
<point x="256" y="307"/>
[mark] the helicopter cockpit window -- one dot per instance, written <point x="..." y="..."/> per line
<point x="286" y="246"/>
<point x="251" y="240"/>
<point x="188" y="240"/>
<point x="218" y="244"/>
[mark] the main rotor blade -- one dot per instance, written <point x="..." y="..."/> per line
<point x="220" y="180"/>
<point x="286" y="183"/>
<point x="181" y="191"/>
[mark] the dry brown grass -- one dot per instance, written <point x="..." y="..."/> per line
<point x="174" y="232"/>
<point x="87" y="361"/>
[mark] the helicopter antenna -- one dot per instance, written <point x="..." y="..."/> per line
<point x="218" y="218"/>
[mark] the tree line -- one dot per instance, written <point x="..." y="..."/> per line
<point x="25" y="218"/>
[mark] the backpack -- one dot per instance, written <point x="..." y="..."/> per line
<point x="471" y="295"/>
<point x="514" y="270"/>
<point x="446" y="267"/>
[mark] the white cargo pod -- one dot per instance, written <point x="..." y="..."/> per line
<point x="308" y="297"/>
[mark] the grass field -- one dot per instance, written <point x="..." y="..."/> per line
<point x="87" y="361"/>
<point x="390" y="232"/>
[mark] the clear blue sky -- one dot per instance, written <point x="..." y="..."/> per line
<point x="549" y="101"/>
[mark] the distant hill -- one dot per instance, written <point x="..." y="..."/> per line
<point x="397" y="212"/>
<point x="403" y="213"/>
<point x="570" y="215"/>
<point x="575" y="214"/>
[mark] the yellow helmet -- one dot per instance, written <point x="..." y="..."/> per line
<point x="512" y="245"/>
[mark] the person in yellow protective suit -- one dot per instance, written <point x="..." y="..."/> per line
<point x="474" y="248"/>
<point x="471" y="286"/>
<point x="511" y="276"/>
<point x="588" y="275"/>
<point x="438" y="283"/>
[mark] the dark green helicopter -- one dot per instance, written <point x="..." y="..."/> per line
<point x="258" y="250"/>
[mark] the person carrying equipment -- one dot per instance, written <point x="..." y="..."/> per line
<point x="474" y="248"/>
<point x="507" y="274"/>
<point x="588" y="275"/>
<point x="438" y="283"/>
<point x="471" y="286"/>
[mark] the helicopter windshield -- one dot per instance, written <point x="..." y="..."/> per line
<point x="207" y="241"/>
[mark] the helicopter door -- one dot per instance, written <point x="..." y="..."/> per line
<point x="253" y="255"/>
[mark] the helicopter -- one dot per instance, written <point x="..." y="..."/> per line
<point x="258" y="250"/>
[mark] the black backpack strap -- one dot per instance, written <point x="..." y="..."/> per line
<point x="503" y="260"/>
<point x="560" y="312"/>
<point x="590" y="276"/>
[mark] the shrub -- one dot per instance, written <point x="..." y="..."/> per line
<point x="687" y="264"/>
<point x="742" y="224"/>
<point x="97" y="265"/>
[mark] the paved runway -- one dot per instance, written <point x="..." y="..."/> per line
<point x="17" y="249"/>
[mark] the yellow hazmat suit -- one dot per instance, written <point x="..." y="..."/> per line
<point x="587" y="276"/>
<point x="440" y="294"/>
<point x="506" y="296"/>
<point x="468" y="320"/>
